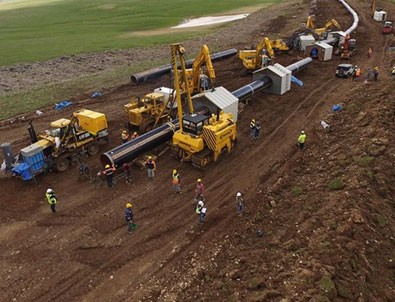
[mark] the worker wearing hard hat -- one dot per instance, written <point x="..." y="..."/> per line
<point x="129" y="217"/>
<point x="376" y="73"/>
<point x="151" y="167"/>
<point x="199" y="190"/>
<point x="301" y="139"/>
<point x="134" y="135"/>
<point x="176" y="181"/>
<point x="239" y="204"/>
<point x="52" y="199"/>
<point x="109" y="173"/>
<point x="124" y="136"/>
<point x="252" y="129"/>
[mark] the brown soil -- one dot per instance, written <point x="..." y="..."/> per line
<point x="322" y="240"/>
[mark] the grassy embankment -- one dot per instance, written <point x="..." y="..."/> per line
<point x="38" y="30"/>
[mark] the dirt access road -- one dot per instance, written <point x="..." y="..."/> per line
<point x="327" y="212"/>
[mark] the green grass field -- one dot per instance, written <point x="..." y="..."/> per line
<point x="38" y="30"/>
<point x="35" y="30"/>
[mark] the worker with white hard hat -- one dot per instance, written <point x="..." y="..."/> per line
<point x="301" y="139"/>
<point x="239" y="204"/>
<point x="52" y="199"/>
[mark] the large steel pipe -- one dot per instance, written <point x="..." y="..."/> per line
<point x="136" y="147"/>
<point x="299" y="65"/>
<point x="250" y="89"/>
<point x="154" y="73"/>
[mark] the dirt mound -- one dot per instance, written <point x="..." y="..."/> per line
<point x="318" y="225"/>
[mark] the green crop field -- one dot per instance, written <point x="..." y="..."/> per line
<point x="35" y="30"/>
<point x="38" y="30"/>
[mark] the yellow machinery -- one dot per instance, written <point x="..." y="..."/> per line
<point x="201" y="138"/>
<point x="252" y="58"/>
<point x="147" y="112"/>
<point x="320" y="31"/>
<point x="85" y="131"/>
<point x="197" y="80"/>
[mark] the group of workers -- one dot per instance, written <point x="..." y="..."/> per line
<point x="125" y="136"/>
<point x="150" y="164"/>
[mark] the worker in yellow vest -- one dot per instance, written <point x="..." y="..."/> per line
<point x="301" y="139"/>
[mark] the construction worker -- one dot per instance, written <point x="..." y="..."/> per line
<point x="151" y="167"/>
<point x="124" y="136"/>
<point x="176" y="182"/>
<point x="199" y="190"/>
<point x="109" y="173"/>
<point x="370" y="52"/>
<point x="129" y="217"/>
<point x="127" y="170"/>
<point x="239" y="204"/>
<point x="252" y="129"/>
<point x="301" y="139"/>
<point x="257" y="130"/>
<point x="52" y="199"/>
<point x="358" y="72"/>
<point x="134" y="135"/>
<point x="376" y="73"/>
<point x="201" y="211"/>
<point x="202" y="215"/>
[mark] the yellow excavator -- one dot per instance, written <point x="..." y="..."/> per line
<point x="252" y="58"/>
<point x="320" y="31"/>
<point x="201" y="137"/>
<point x="197" y="80"/>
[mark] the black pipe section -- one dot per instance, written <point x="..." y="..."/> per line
<point x="154" y="73"/>
<point x="249" y="89"/>
<point x="265" y="82"/>
<point x="299" y="65"/>
<point x="143" y="143"/>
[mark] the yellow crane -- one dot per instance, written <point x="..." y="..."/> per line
<point x="201" y="137"/>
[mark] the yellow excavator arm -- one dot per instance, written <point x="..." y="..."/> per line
<point x="264" y="44"/>
<point x="195" y="73"/>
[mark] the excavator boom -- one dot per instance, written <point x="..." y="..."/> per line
<point x="202" y="57"/>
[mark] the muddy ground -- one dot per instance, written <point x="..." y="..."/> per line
<point x="326" y="213"/>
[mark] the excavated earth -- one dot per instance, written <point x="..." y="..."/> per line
<point x="319" y="223"/>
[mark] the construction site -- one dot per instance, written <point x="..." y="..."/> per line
<point x="319" y="221"/>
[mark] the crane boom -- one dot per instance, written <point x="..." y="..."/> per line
<point x="178" y="51"/>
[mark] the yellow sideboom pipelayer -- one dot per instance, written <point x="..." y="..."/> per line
<point x="202" y="137"/>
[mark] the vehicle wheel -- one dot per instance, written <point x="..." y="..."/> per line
<point x="62" y="164"/>
<point x="93" y="149"/>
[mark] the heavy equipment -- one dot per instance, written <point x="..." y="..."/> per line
<point x="347" y="47"/>
<point x="146" y="113"/>
<point x="388" y="27"/>
<point x="198" y="81"/>
<point x="66" y="138"/>
<point x="156" y="108"/>
<point x="321" y="31"/>
<point x="201" y="137"/>
<point x="252" y="58"/>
